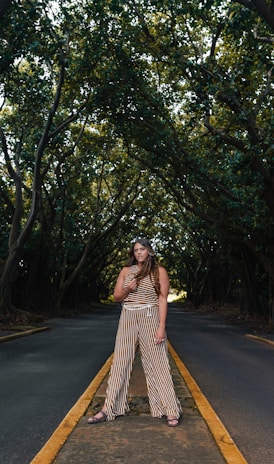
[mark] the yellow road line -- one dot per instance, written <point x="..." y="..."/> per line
<point x="228" y="448"/>
<point x="24" y="333"/>
<point x="48" y="453"/>
<point x="260" y="339"/>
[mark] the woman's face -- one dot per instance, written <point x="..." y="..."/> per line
<point x="140" y="253"/>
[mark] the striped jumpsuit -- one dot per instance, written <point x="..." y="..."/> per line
<point x="138" y="324"/>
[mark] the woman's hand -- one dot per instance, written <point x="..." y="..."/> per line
<point x="160" y="336"/>
<point x="121" y="292"/>
<point x="132" y="285"/>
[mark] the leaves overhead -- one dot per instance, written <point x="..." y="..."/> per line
<point x="163" y="126"/>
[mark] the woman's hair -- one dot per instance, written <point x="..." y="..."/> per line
<point x="150" y="267"/>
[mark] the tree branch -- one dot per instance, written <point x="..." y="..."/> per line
<point x="263" y="9"/>
<point x="225" y="137"/>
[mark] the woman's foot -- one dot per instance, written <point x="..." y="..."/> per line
<point x="172" y="421"/>
<point x="101" y="416"/>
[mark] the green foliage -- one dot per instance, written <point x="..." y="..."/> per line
<point x="163" y="127"/>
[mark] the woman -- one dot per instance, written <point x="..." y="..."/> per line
<point x="142" y="288"/>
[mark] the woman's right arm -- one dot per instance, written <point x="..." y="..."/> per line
<point x="121" y="292"/>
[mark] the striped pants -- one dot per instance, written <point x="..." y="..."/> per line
<point x="140" y="326"/>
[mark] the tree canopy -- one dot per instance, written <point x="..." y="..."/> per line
<point x="120" y="119"/>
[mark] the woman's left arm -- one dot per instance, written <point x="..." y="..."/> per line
<point x="164" y="289"/>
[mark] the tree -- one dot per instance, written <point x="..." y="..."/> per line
<point x="265" y="9"/>
<point x="178" y="95"/>
<point x="214" y="153"/>
<point x="41" y="67"/>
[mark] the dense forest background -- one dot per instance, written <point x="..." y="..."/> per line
<point x="135" y="118"/>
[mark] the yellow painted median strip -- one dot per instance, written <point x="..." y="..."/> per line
<point x="48" y="453"/>
<point x="228" y="448"/>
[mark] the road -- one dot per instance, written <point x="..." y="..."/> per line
<point x="43" y="375"/>
<point x="235" y="374"/>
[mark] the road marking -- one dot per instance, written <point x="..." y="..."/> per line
<point x="24" y="333"/>
<point x="227" y="446"/>
<point x="48" y="453"/>
<point x="260" y="339"/>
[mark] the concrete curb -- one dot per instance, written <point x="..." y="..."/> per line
<point x="25" y="333"/>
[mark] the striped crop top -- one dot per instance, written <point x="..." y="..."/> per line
<point x="144" y="295"/>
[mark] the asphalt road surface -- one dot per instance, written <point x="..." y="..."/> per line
<point x="235" y="373"/>
<point x="43" y="375"/>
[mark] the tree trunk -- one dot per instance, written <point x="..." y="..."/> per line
<point x="7" y="281"/>
<point x="18" y="239"/>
